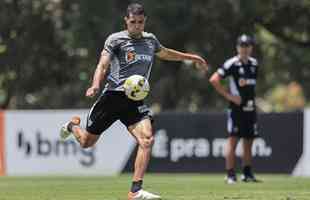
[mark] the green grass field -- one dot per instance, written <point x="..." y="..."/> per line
<point x="170" y="186"/>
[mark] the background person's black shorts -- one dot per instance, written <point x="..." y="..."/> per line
<point x="112" y="106"/>
<point x="242" y="123"/>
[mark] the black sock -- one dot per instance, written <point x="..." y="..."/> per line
<point x="231" y="172"/>
<point x="70" y="125"/>
<point x="136" y="186"/>
<point x="247" y="170"/>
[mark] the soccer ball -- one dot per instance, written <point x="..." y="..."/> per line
<point x="136" y="87"/>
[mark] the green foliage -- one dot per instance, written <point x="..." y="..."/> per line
<point x="284" y="98"/>
<point x="49" y="48"/>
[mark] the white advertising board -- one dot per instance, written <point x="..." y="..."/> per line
<point x="33" y="146"/>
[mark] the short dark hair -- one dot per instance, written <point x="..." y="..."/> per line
<point x="245" y="40"/>
<point x="135" y="9"/>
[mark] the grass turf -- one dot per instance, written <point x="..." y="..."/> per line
<point x="169" y="186"/>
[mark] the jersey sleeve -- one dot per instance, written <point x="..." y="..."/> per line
<point x="110" y="44"/>
<point x="225" y="70"/>
<point x="157" y="44"/>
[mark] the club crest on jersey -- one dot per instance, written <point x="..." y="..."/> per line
<point x="241" y="70"/>
<point x="130" y="56"/>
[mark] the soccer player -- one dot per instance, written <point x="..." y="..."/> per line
<point x="241" y="70"/>
<point x="126" y="53"/>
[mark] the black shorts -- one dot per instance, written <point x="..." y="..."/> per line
<point x="242" y="123"/>
<point x="112" y="106"/>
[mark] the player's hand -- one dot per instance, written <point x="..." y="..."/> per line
<point x="235" y="99"/>
<point x="201" y="63"/>
<point x="92" y="91"/>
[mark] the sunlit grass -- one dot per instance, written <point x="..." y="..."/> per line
<point x="169" y="186"/>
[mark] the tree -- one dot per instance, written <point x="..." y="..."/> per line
<point x="49" y="48"/>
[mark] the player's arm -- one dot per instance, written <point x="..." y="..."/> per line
<point x="173" y="55"/>
<point x="100" y="73"/>
<point x="215" y="80"/>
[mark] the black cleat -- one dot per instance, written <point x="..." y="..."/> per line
<point x="249" y="178"/>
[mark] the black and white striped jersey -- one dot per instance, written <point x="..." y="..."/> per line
<point x="242" y="80"/>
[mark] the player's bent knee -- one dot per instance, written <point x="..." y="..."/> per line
<point x="147" y="142"/>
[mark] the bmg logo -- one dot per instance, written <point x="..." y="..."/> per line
<point x="45" y="147"/>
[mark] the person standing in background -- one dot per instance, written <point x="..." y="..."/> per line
<point x="241" y="70"/>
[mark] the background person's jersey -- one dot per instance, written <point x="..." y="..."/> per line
<point x="242" y="81"/>
<point x="129" y="56"/>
